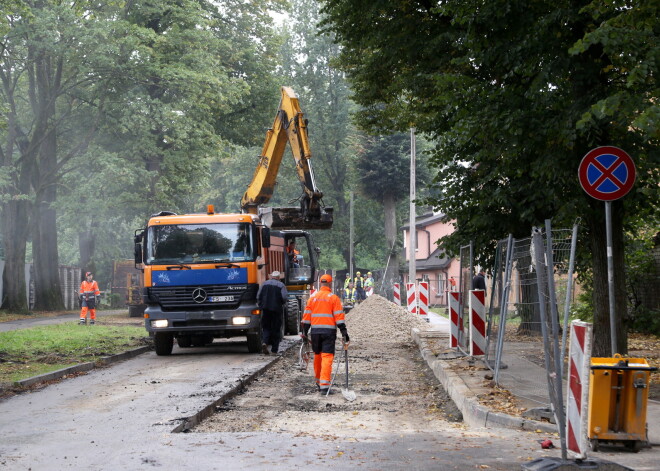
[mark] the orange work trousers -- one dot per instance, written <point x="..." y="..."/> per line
<point x="323" y="369"/>
<point x="83" y="313"/>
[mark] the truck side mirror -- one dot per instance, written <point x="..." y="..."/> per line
<point x="265" y="237"/>
<point x="137" y="251"/>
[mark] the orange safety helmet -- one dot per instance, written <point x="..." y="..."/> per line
<point x="326" y="278"/>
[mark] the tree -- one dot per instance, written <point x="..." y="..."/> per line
<point x="385" y="163"/>
<point x="308" y="68"/>
<point x="515" y="94"/>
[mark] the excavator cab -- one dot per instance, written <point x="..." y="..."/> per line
<point x="301" y="260"/>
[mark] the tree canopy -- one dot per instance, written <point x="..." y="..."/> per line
<point x="514" y="94"/>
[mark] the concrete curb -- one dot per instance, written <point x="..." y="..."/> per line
<point x="474" y="414"/>
<point x="82" y="367"/>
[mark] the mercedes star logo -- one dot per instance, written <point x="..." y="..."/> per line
<point x="199" y="295"/>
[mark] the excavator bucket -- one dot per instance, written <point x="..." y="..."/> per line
<point x="292" y="218"/>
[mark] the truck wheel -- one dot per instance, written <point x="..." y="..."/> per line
<point x="254" y="340"/>
<point x="292" y="318"/>
<point x="164" y="342"/>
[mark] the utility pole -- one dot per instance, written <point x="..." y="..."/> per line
<point x="412" y="246"/>
<point x="350" y="242"/>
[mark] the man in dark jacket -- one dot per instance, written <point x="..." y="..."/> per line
<point x="271" y="298"/>
<point x="479" y="281"/>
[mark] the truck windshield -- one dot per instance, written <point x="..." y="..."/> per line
<point x="199" y="243"/>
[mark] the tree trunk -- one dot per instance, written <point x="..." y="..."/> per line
<point x="598" y="241"/>
<point x="391" y="274"/>
<point x="86" y="242"/>
<point x="48" y="293"/>
<point x="14" y="236"/>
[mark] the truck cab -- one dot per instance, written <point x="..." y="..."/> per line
<point x="202" y="273"/>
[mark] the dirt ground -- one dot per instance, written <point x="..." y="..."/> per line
<point x="394" y="388"/>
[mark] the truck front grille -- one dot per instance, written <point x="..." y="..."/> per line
<point x="193" y="298"/>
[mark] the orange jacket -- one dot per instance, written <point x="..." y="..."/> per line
<point x="89" y="288"/>
<point x="324" y="312"/>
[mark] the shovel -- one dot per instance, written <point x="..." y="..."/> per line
<point x="347" y="393"/>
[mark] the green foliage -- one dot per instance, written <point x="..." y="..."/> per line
<point x="504" y="88"/>
<point x="643" y="277"/>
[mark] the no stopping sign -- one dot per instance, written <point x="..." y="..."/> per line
<point x="607" y="173"/>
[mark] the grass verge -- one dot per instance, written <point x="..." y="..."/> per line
<point x="29" y="352"/>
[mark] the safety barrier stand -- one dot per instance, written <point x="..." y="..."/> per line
<point x="397" y="294"/>
<point x="411" y="297"/>
<point x="423" y="300"/>
<point x="454" y="307"/>
<point x="477" y="322"/>
<point x="577" y="401"/>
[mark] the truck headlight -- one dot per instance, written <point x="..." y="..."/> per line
<point x="240" y="320"/>
<point x="159" y="323"/>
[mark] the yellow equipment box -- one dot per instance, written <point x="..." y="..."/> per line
<point x="618" y="396"/>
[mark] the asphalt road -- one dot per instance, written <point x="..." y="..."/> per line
<point x="123" y="417"/>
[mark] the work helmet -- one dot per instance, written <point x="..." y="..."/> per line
<point x="326" y="278"/>
<point x="368" y="273"/>
<point x="357" y="273"/>
<point x="89" y="273"/>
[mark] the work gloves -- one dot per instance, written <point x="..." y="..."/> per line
<point x="344" y="335"/>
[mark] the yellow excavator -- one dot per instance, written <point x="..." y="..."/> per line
<point x="289" y="125"/>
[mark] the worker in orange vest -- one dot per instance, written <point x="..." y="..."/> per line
<point x="323" y="315"/>
<point x="89" y="295"/>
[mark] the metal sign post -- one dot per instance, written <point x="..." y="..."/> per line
<point x="607" y="173"/>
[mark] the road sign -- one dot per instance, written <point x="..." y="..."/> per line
<point x="607" y="173"/>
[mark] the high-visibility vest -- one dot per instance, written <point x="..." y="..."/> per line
<point x="359" y="282"/>
<point x="324" y="311"/>
<point x="349" y="294"/>
<point x="89" y="289"/>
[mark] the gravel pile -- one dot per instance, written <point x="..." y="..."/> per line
<point x="378" y="318"/>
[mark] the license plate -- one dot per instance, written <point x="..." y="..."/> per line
<point x="220" y="299"/>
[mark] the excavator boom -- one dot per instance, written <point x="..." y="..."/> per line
<point x="289" y="126"/>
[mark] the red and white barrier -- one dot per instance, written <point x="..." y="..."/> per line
<point x="577" y="401"/>
<point x="369" y="291"/>
<point x="477" y="322"/>
<point x="411" y="297"/>
<point x="454" y="306"/>
<point x="397" y="294"/>
<point x="423" y="300"/>
<point x="311" y="292"/>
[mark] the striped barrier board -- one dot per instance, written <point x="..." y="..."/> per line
<point x="577" y="401"/>
<point x="454" y="307"/>
<point x="477" y="322"/>
<point x="369" y="291"/>
<point x="423" y="300"/>
<point x="397" y="294"/>
<point x="411" y="298"/>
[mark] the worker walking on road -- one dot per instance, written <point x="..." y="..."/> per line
<point x="89" y="296"/>
<point x="322" y="317"/>
<point x="271" y="298"/>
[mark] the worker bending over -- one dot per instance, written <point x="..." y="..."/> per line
<point x="323" y="315"/>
